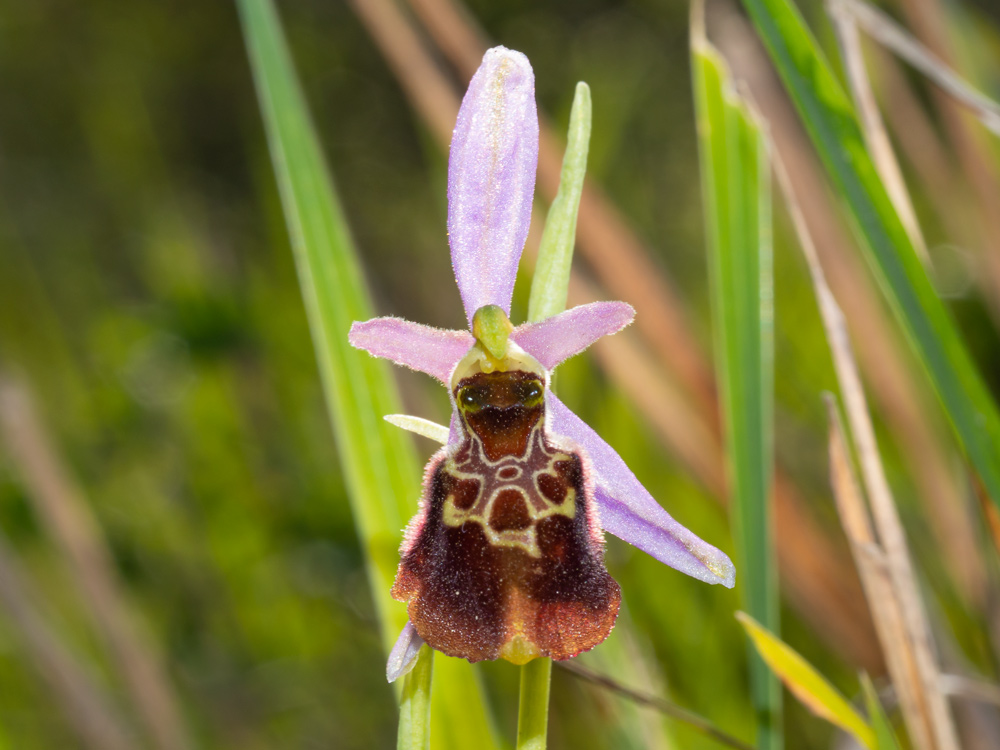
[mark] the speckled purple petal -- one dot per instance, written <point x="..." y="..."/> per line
<point x="434" y="351"/>
<point x="629" y="512"/>
<point x="404" y="654"/>
<point x="491" y="179"/>
<point x="558" y="338"/>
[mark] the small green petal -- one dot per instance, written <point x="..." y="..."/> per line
<point x="551" y="278"/>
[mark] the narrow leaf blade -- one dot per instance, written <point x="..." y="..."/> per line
<point x="736" y="188"/>
<point x="379" y="466"/>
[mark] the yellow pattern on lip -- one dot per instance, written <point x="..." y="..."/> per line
<point x="538" y="507"/>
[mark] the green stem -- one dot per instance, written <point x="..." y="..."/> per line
<point x="533" y="711"/>
<point x="415" y="705"/>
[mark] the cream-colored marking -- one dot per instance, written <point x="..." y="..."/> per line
<point x="480" y="512"/>
<point x="535" y="443"/>
<point x="525" y="539"/>
<point x="477" y="360"/>
<point x="566" y="508"/>
<point x="518" y="472"/>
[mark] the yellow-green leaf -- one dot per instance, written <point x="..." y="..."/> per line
<point x="805" y="683"/>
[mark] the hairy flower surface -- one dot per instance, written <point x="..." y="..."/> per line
<point x="505" y="558"/>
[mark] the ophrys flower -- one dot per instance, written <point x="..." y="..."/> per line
<point x="505" y="558"/>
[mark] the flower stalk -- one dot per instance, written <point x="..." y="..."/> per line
<point x="533" y="707"/>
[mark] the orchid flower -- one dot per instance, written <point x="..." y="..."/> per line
<point x="505" y="557"/>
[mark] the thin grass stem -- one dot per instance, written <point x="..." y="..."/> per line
<point x="657" y="703"/>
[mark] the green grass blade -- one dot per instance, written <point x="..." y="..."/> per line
<point x="736" y="186"/>
<point x="806" y="684"/>
<point x="832" y="124"/>
<point x="379" y="466"/>
<point x="885" y="739"/>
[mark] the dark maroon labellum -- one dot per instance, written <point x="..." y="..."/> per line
<point x="505" y="559"/>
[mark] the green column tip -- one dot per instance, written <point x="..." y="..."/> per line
<point x="492" y="327"/>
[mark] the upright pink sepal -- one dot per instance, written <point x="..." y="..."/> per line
<point x="558" y="338"/>
<point x="491" y="179"/>
<point x="629" y="512"/>
<point x="404" y="654"/>
<point x="434" y="351"/>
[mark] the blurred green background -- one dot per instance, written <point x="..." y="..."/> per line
<point x="148" y="301"/>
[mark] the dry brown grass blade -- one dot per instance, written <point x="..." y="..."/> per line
<point x="989" y="510"/>
<point x="870" y="561"/>
<point x="911" y="125"/>
<point x="618" y="256"/>
<point x="74" y="691"/>
<point x="935" y="711"/>
<point x="425" y="84"/>
<point x="871" y="123"/>
<point x="77" y="535"/>
<point x="975" y="690"/>
<point x="887" y="364"/>
<point x="893" y="539"/>
<point x="829" y="599"/>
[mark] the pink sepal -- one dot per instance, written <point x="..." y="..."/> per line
<point x="434" y="351"/>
